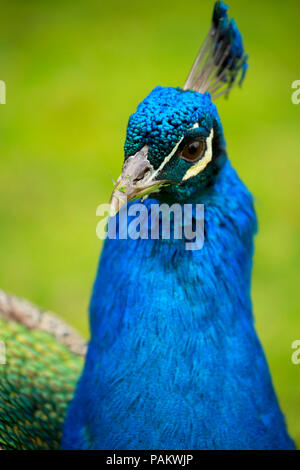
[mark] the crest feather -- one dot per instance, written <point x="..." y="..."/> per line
<point x="221" y="62"/>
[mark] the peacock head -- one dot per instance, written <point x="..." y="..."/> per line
<point x="174" y="144"/>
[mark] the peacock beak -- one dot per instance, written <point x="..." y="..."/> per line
<point x="138" y="179"/>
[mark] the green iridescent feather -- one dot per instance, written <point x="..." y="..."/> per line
<point x="36" y="384"/>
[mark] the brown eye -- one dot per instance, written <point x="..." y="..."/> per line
<point x="193" y="151"/>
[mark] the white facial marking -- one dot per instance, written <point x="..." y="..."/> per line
<point x="167" y="159"/>
<point x="195" y="169"/>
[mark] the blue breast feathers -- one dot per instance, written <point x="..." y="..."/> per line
<point x="174" y="361"/>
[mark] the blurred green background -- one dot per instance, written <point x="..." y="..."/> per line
<point x="74" y="73"/>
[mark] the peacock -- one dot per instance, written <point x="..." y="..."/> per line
<point x="173" y="360"/>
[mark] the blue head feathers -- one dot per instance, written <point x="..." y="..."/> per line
<point x="168" y="126"/>
<point x="179" y="130"/>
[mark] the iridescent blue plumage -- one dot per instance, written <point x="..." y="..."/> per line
<point x="163" y="117"/>
<point x="174" y="361"/>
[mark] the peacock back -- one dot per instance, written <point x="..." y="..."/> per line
<point x="42" y="362"/>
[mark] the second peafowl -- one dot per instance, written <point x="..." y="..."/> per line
<point x="174" y="361"/>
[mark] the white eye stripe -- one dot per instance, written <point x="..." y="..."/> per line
<point x="167" y="159"/>
<point x="172" y="153"/>
<point x="199" y="166"/>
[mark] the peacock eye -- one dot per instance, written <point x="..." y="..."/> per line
<point x="194" y="151"/>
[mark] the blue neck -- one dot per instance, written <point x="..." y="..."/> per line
<point x="174" y="361"/>
<point x="149" y="277"/>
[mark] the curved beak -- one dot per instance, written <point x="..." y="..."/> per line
<point x="137" y="180"/>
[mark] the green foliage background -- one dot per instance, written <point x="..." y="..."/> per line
<point x="74" y="73"/>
